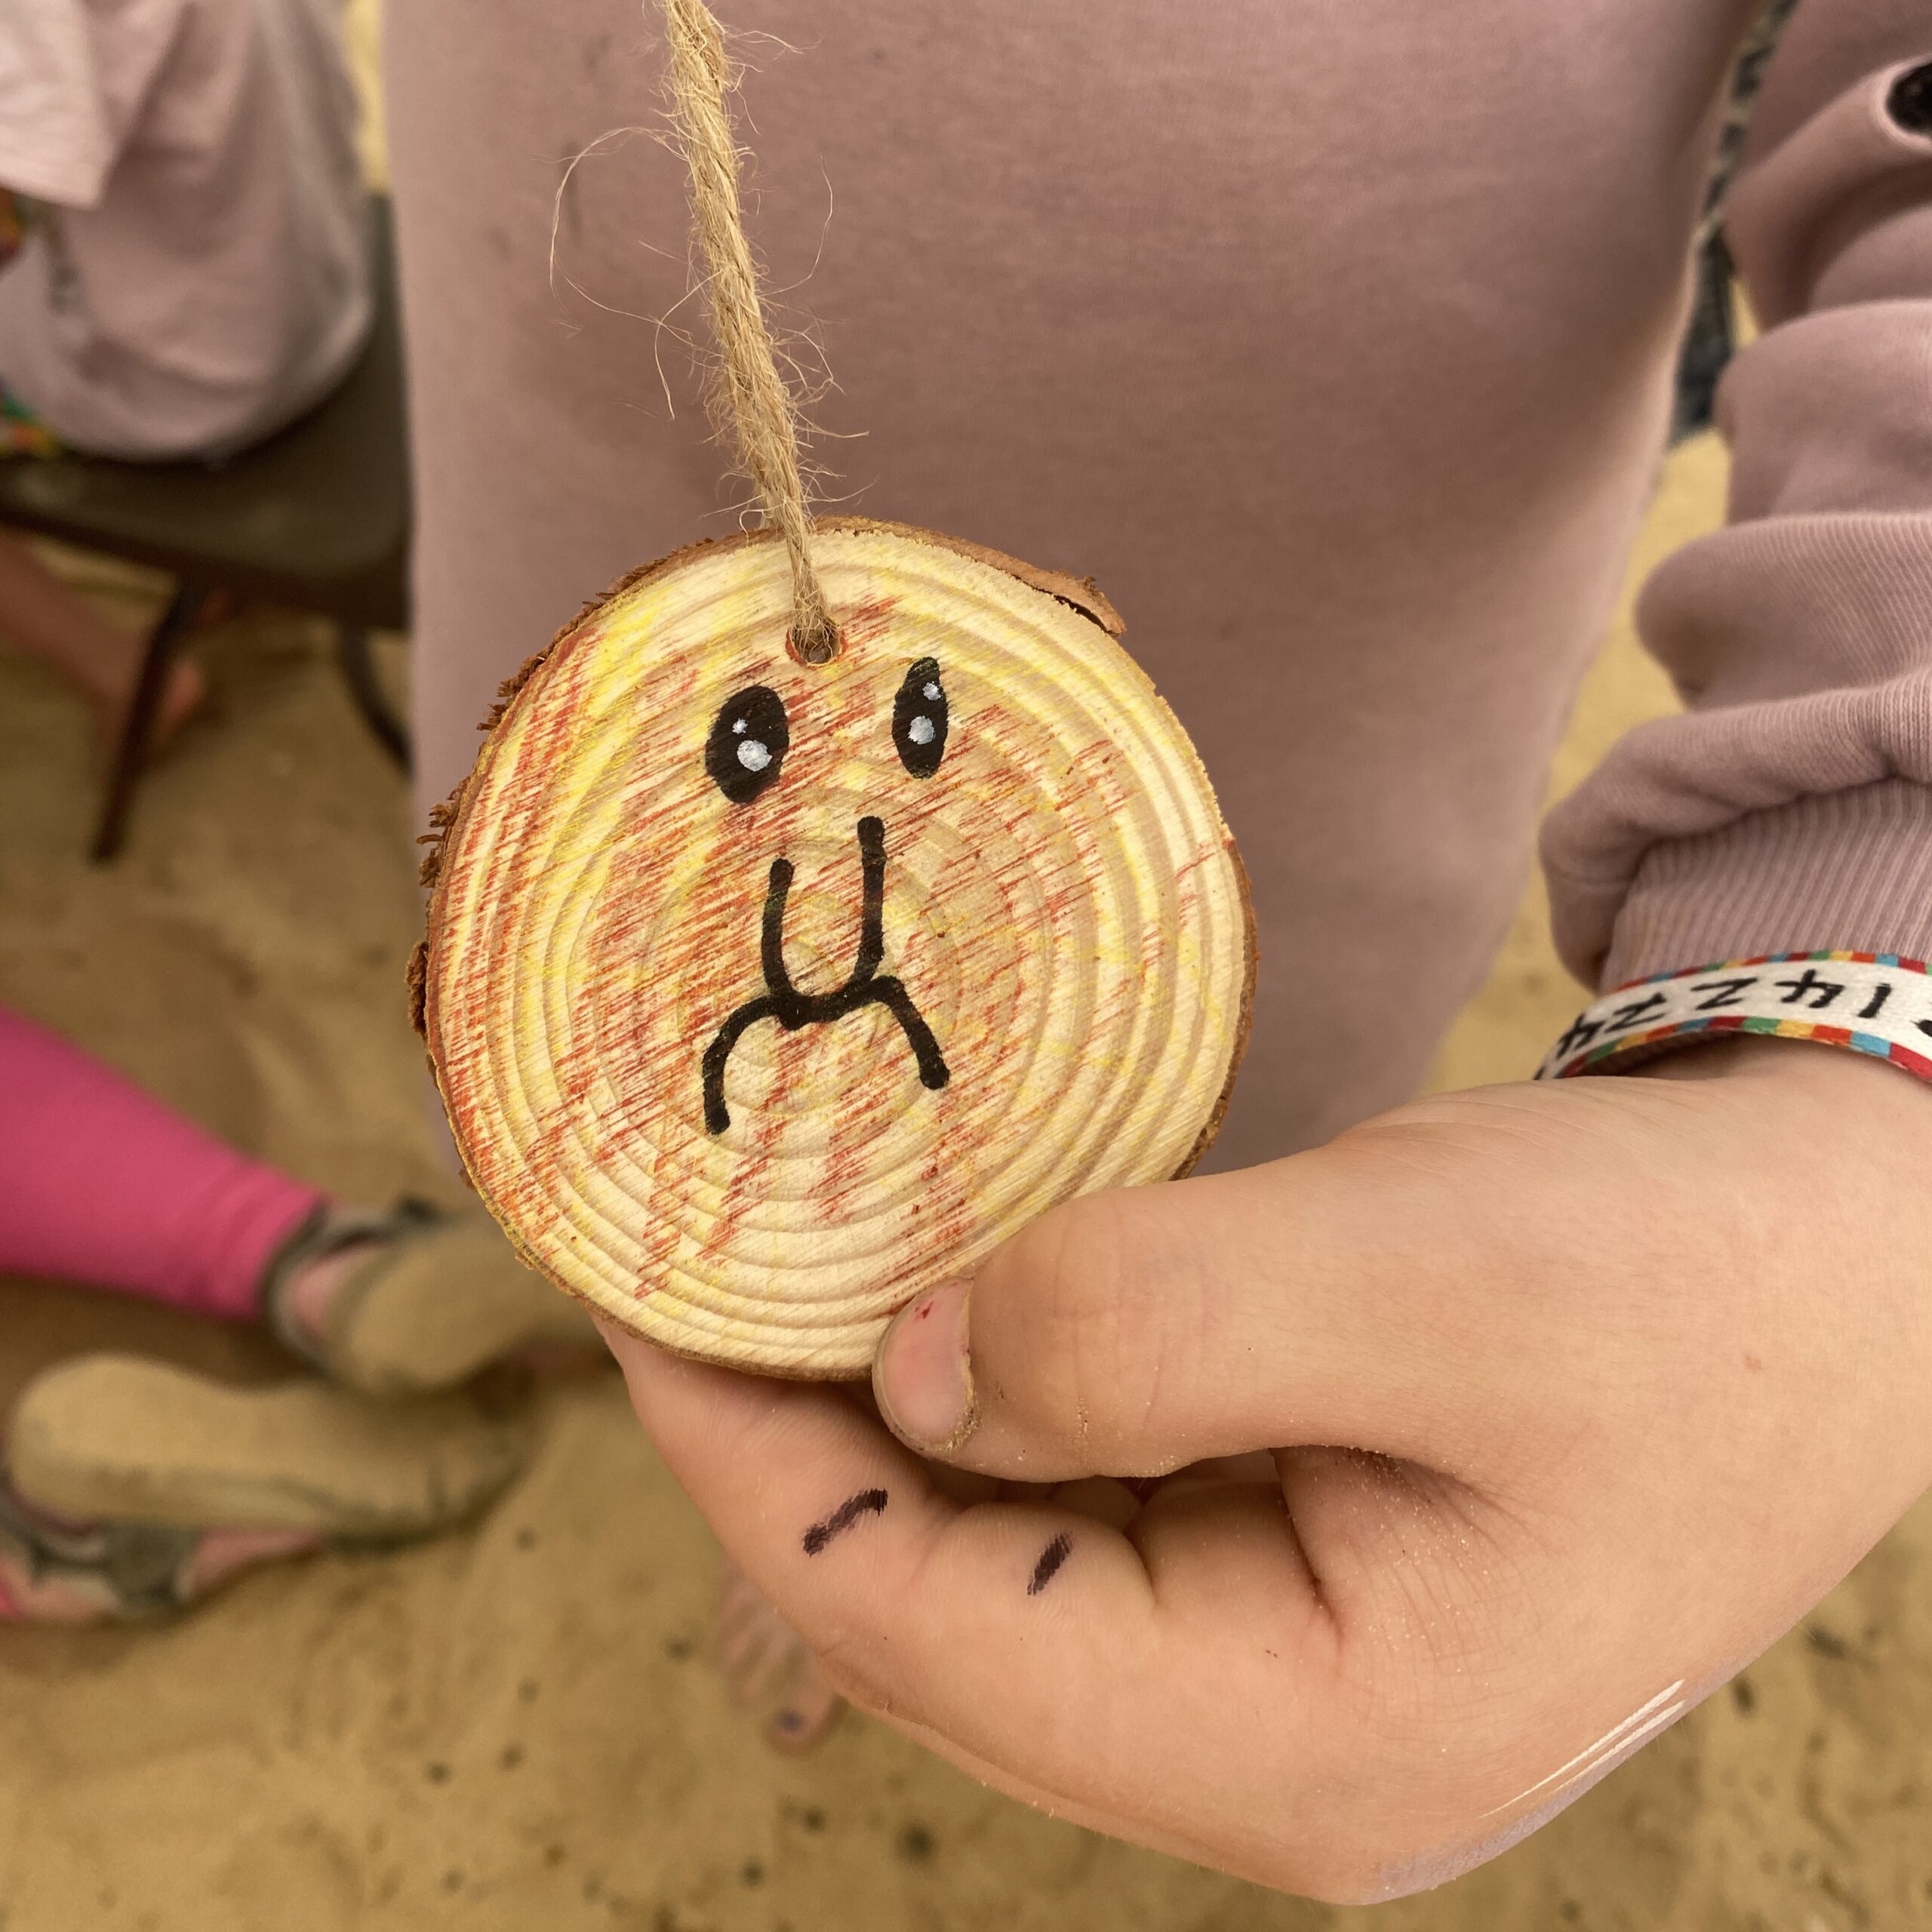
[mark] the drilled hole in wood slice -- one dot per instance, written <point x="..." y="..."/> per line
<point x="762" y="996"/>
<point x="821" y="649"/>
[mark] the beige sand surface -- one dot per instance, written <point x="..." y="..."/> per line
<point x="521" y="1727"/>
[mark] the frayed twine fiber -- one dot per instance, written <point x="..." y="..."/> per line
<point x="750" y="402"/>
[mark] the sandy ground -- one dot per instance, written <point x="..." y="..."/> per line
<point x="521" y="1726"/>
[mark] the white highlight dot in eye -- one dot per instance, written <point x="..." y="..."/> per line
<point x="738" y="725"/>
<point x="753" y="756"/>
<point x="920" y="731"/>
<point x="932" y="691"/>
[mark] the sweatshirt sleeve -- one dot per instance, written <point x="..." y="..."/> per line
<point x="1790" y="809"/>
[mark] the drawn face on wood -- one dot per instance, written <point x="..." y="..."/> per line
<point x="762" y="994"/>
<point x="745" y="755"/>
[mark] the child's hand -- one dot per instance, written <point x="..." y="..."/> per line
<point x="1626" y="1372"/>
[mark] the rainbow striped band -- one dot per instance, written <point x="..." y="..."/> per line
<point x="1877" y="1003"/>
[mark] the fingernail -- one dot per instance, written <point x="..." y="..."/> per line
<point x="923" y="1375"/>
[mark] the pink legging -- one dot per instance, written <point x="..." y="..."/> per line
<point x="102" y="1184"/>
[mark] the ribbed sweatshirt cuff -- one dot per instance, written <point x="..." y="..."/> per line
<point x="1848" y="871"/>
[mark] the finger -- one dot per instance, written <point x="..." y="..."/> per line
<point x="1321" y="1299"/>
<point x="1013" y="1631"/>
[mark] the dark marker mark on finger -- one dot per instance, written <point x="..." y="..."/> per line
<point x="1051" y="1557"/>
<point x="867" y="1502"/>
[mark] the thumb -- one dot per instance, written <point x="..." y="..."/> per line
<point x="1131" y="1333"/>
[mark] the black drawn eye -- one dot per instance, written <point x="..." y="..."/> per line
<point x="919" y="719"/>
<point x="748" y="743"/>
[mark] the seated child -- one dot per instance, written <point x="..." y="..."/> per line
<point x="183" y="263"/>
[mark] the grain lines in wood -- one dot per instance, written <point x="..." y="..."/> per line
<point x="763" y="995"/>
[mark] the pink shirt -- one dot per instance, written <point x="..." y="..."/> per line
<point x="202" y="277"/>
<point x="1335" y="340"/>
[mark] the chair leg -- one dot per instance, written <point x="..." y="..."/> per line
<point x="358" y="673"/>
<point x="137" y="730"/>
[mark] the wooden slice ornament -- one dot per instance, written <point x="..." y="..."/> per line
<point x="825" y="904"/>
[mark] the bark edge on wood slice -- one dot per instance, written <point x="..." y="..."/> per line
<point x="763" y="996"/>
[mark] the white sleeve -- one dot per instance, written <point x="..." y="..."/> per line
<point x="55" y="145"/>
<point x="74" y="80"/>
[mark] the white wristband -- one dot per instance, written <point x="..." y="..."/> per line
<point x="1876" y="1003"/>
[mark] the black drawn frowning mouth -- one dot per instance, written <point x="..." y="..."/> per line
<point x="865" y="985"/>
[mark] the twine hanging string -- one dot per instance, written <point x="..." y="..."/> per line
<point x="750" y="403"/>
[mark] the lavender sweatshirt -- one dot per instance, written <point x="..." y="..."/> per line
<point x="1335" y="338"/>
